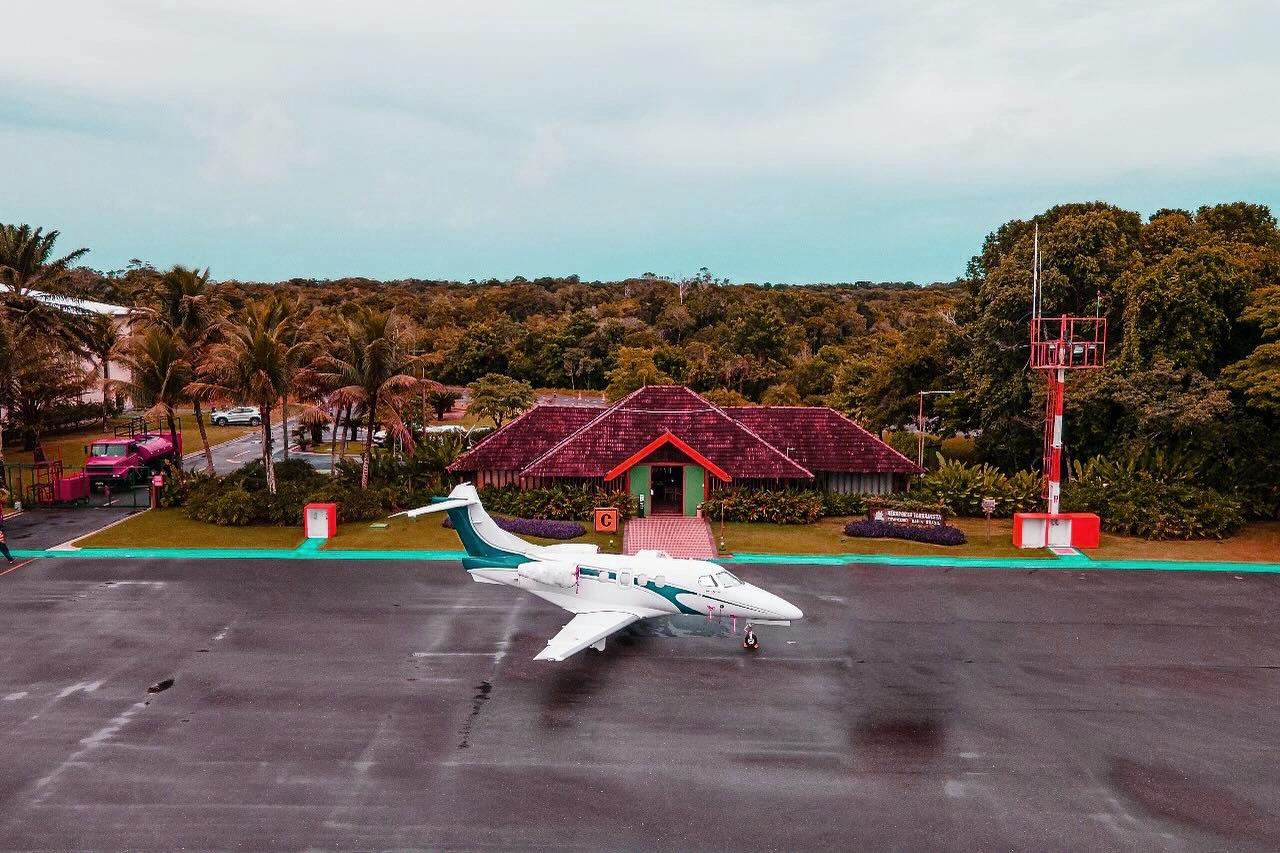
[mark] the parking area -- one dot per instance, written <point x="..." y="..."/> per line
<point x="397" y="705"/>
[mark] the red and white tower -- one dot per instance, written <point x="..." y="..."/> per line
<point x="1059" y="344"/>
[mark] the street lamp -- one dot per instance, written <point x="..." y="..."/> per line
<point x="920" y="424"/>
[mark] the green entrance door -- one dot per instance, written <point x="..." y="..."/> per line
<point x="695" y="480"/>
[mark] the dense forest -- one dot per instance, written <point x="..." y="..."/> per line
<point x="1192" y="299"/>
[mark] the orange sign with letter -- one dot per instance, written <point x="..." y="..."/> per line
<point x="606" y="519"/>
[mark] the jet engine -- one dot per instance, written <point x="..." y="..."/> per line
<point x="552" y="574"/>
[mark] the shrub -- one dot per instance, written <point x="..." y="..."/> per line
<point x="960" y="488"/>
<point x="910" y="501"/>
<point x="946" y="535"/>
<point x="1152" y="499"/>
<point x="179" y="484"/>
<point x="354" y="503"/>
<point x="541" y="527"/>
<point x="562" y="503"/>
<point x="843" y="503"/>
<point x="231" y="505"/>
<point x="764" y="505"/>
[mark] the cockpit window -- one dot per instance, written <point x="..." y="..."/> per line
<point x="707" y="581"/>
<point x="727" y="580"/>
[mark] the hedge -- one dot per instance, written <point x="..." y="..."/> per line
<point x="241" y="498"/>
<point x="1145" y="498"/>
<point x="945" y="535"/>
<point x="543" y="528"/>
<point x="764" y="505"/>
<point x="960" y="488"/>
<point x="560" y="503"/>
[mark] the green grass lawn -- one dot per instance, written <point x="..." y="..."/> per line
<point x="1259" y="543"/>
<point x="827" y="537"/>
<point x="426" y="533"/>
<point x="169" y="528"/>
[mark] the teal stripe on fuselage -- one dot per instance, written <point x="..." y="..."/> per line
<point x="666" y="590"/>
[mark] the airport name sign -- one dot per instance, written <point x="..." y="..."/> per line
<point x="910" y="518"/>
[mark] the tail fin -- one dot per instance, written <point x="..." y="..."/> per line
<point x="481" y="536"/>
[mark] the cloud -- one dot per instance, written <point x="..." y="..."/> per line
<point x="504" y="122"/>
<point x="257" y="144"/>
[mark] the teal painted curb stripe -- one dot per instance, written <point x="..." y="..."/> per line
<point x="238" y="554"/>
<point x="313" y="549"/>
<point x="1063" y="564"/>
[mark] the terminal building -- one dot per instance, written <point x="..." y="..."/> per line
<point x="675" y="447"/>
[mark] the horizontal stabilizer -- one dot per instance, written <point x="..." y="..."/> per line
<point x="442" y="506"/>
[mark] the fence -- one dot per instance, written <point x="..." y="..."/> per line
<point x="53" y="485"/>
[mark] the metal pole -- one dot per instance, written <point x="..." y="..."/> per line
<point x="1055" y="444"/>
<point x="920" y="433"/>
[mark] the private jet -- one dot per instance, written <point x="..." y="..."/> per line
<point x="605" y="592"/>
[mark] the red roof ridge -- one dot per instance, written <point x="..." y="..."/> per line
<point x="482" y="442"/>
<point x="667" y="437"/>
<point x="751" y="432"/>
<point x="606" y="410"/>
<point x="874" y="437"/>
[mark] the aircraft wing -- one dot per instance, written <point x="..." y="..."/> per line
<point x="585" y="629"/>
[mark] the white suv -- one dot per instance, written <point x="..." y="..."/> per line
<point x="238" y="415"/>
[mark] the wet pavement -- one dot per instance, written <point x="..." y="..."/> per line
<point x="46" y="528"/>
<point x="397" y="705"/>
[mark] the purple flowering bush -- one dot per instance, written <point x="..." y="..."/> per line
<point x="945" y="535"/>
<point x="543" y="528"/>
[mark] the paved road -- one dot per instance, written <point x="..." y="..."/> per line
<point x="45" y="528"/>
<point x="396" y="705"/>
<point x="241" y="451"/>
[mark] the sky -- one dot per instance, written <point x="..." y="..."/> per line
<point x="789" y="141"/>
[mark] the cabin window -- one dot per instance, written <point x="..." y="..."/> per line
<point x="624" y="578"/>
<point x="642" y="579"/>
<point x="603" y="576"/>
<point x="660" y="581"/>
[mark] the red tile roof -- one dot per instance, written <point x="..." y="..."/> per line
<point x="644" y="415"/>
<point x="822" y="439"/>
<point x="524" y="439"/>
<point x="748" y="442"/>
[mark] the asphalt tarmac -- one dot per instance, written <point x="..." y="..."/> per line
<point x="397" y="705"/>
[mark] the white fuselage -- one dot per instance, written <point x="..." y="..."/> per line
<point x="652" y="585"/>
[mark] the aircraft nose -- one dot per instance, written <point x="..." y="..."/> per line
<point x="789" y="610"/>
<point x="781" y="608"/>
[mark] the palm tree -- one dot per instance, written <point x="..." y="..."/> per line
<point x="287" y="314"/>
<point x="373" y="369"/>
<point x="104" y="340"/>
<point x="186" y="305"/>
<point x="159" y="373"/>
<point x="250" y="362"/>
<point x="27" y="264"/>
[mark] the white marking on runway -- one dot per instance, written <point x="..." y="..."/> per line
<point x="14" y="697"/>
<point x="88" y="744"/>
<point x="85" y="686"/>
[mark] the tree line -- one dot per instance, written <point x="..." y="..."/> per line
<point x="1192" y="300"/>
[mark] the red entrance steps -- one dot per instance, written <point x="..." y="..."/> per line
<point x="688" y="538"/>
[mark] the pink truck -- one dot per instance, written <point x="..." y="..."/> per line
<point x="124" y="460"/>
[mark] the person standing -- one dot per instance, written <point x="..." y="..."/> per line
<point x="4" y="541"/>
